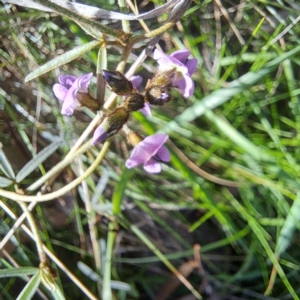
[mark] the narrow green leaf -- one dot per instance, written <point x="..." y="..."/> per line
<point x="237" y="137"/>
<point x="4" y="182"/>
<point x="289" y="227"/>
<point x="58" y="294"/>
<point x="62" y="59"/>
<point x="36" y="161"/>
<point x="17" y="272"/>
<point x="116" y="285"/>
<point x="30" y="288"/>
<point x="120" y="189"/>
<point x="5" y="165"/>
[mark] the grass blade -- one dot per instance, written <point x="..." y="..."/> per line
<point x="30" y="288"/>
<point x="62" y="59"/>
<point x="36" y="161"/>
<point x="18" y="272"/>
<point x="5" y="165"/>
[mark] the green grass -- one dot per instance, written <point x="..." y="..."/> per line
<point x="232" y="185"/>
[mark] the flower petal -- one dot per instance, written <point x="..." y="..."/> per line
<point x="136" y="81"/>
<point x="167" y="62"/>
<point x="146" y="110"/>
<point x="152" y="166"/>
<point x="153" y="143"/>
<point x="163" y="154"/>
<point x="99" y="135"/>
<point x="181" y="55"/>
<point x="138" y="156"/>
<point x="60" y="91"/>
<point x="67" y="80"/>
<point x="84" y="81"/>
<point x="70" y="102"/>
<point x="191" y="65"/>
<point x="186" y="86"/>
<point x="158" y="54"/>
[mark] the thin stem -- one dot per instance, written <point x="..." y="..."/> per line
<point x="106" y="294"/>
<point x="35" y="232"/>
<point x="16" y="225"/>
<point x="152" y="33"/>
<point x="91" y="219"/>
<point x="125" y="23"/>
<point x="101" y="64"/>
<point x="62" y="191"/>
<point x="59" y="167"/>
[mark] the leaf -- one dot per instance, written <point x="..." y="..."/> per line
<point x="87" y="271"/>
<point x="92" y="12"/>
<point x="289" y="227"/>
<point x="120" y="189"/>
<point x="36" y="161"/>
<point x="30" y="288"/>
<point x="237" y="137"/>
<point x="116" y="285"/>
<point x="4" y="182"/>
<point x="5" y="165"/>
<point x="58" y="294"/>
<point x="17" y="272"/>
<point x="62" y="59"/>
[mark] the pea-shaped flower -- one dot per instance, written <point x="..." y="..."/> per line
<point x="72" y="90"/>
<point x="183" y="67"/>
<point x="150" y="152"/>
<point x="136" y="81"/>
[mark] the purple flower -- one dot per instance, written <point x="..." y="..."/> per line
<point x="67" y="89"/>
<point x="136" y="81"/>
<point x="184" y="67"/>
<point x="150" y="152"/>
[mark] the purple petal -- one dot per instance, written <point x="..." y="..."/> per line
<point x="158" y="54"/>
<point x="181" y="55"/>
<point x="162" y="58"/>
<point x="84" y="81"/>
<point x="146" y="110"/>
<point x="163" y="154"/>
<point x="153" y="143"/>
<point x="60" y="91"/>
<point x="152" y="166"/>
<point x="70" y="102"/>
<point x="186" y="86"/>
<point x="145" y="153"/>
<point x="191" y="65"/>
<point x="136" y="81"/>
<point x="138" y="156"/>
<point x="165" y="61"/>
<point x="67" y="80"/>
<point x="99" y="135"/>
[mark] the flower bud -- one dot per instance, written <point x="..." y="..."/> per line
<point x="162" y="79"/>
<point x="157" y="96"/>
<point x="87" y="100"/>
<point x="134" y="102"/>
<point x="118" y="83"/>
<point x="133" y="138"/>
<point x="111" y="124"/>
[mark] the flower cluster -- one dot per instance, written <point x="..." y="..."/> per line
<point x="174" y="71"/>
